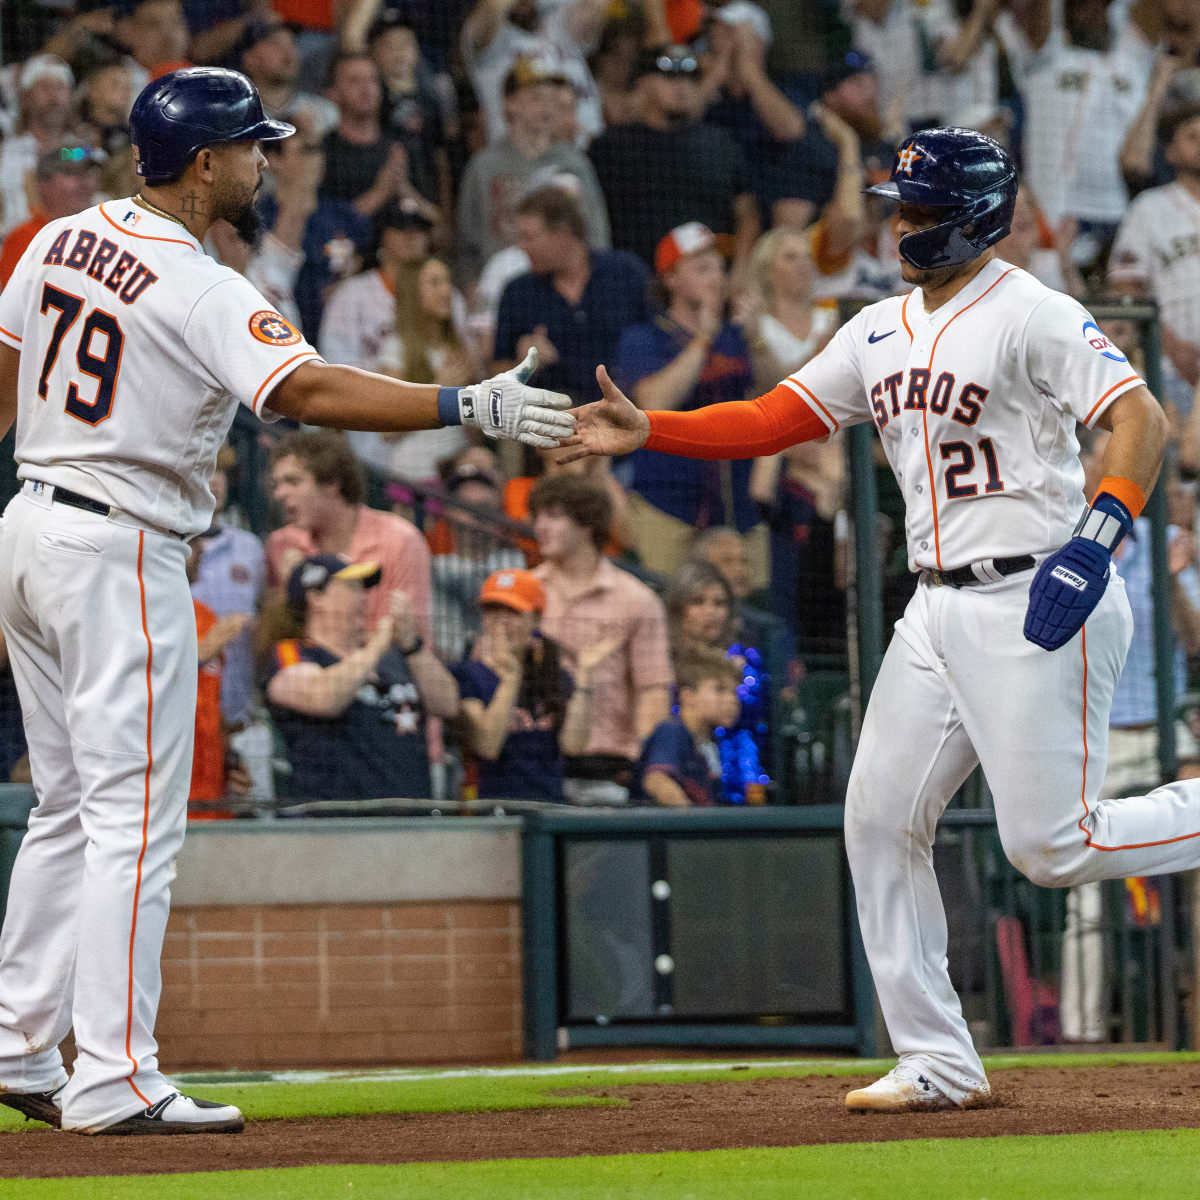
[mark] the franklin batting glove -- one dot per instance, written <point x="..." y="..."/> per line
<point x="506" y="407"/>
<point x="1070" y="583"/>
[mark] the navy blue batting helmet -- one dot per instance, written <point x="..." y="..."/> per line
<point x="180" y="113"/>
<point x="969" y="175"/>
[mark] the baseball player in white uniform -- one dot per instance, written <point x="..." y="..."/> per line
<point x="1011" y="647"/>
<point x="124" y="351"/>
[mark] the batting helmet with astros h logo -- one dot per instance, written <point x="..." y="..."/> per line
<point x="969" y="175"/>
<point x="180" y="113"/>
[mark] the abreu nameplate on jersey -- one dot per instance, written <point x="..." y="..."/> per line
<point x="275" y="330"/>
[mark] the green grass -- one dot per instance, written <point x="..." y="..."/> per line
<point x="426" y="1091"/>
<point x="1071" y="1167"/>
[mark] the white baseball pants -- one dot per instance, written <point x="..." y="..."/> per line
<point x="960" y="685"/>
<point x="102" y="638"/>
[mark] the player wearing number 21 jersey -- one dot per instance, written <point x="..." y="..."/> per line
<point x="124" y="352"/>
<point x="1009" y="651"/>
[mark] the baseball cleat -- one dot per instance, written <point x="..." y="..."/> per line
<point x="902" y="1089"/>
<point x="178" y="1113"/>
<point x="36" y="1106"/>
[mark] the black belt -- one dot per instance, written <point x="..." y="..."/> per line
<point x="966" y="576"/>
<point x="62" y="495"/>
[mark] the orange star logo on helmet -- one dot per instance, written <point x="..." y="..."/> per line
<point x="268" y="326"/>
<point x="906" y="158"/>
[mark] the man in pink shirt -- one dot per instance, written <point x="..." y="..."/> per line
<point x="318" y="483"/>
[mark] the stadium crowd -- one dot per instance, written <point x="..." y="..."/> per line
<point x="674" y="188"/>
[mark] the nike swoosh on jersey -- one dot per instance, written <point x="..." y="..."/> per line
<point x="878" y="337"/>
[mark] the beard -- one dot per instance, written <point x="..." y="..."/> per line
<point x="247" y="224"/>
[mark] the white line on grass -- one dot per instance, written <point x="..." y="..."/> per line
<point x="420" y="1075"/>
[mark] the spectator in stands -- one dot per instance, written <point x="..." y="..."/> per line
<point x="1031" y="246"/>
<point x="334" y="238"/>
<point x="267" y="52"/>
<point x="679" y="765"/>
<point x="726" y="550"/>
<point x="411" y="109"/>
<point x="498" y="175"/>
<point x="575" y="301"/>
<point x="231" y="580"/>
<point x="522" y="710"/>
<point x="700" y="609"/>
<point x="499" y="32"/>
<point x="596" y="468"/>
<point x="318" y="484"/>
<point x="364" y="164"/>
<point x="361" y="324"/>
<point x="44" y="90"/>
<point x="65" y="182"/>
<point x="688" y="358"/>
<point x="104" y="99"/>
<point x="1156" y="254"/>
<point x="1095" y="67"/>
<point x="670" y="168"/>
<point x="614" y="64"/>
<point x="783" y="325"/>
<point x="467" y="548"/>
<point x="154" y="35"/>
<point x="351" y="700"/>
<point x="587" y="598"/>
<point x="1174" y="83"/>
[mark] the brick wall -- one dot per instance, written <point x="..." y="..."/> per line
<point x="333" y="985"/>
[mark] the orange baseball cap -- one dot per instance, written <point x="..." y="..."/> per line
<point x="521" y="591"/>
<point x="682" y="241"/>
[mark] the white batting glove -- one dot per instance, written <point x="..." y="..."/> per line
<point x="506" y="407"/>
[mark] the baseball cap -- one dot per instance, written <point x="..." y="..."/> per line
<point x="316" y="572"/>
<point x="521" y="591"/>
<point x="525" y="72"/>
<point x="683" y="240"/>
<point x="44" y="66"/>
<point x="853" y="62"/>
<point x="389" y="19"/>
<point x="67" y="158"/>
<point x="667" y="60"/>
<point x="403" y="215"/>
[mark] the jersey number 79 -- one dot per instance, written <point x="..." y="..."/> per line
<point x="104" y="369"/>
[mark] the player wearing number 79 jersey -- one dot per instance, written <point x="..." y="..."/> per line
<point x="1008" y="654"/>
<point x="124" y="351"/>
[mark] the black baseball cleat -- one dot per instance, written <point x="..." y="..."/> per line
<point x="36" y="1106"/>
<point x="178" y="1113"/>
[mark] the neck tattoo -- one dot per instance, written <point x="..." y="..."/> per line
<point x="144" y="203"/>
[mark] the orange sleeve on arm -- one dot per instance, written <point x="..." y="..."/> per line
<point x="787" y="414"/>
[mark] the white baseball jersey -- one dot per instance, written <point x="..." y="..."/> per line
<point x="135" y="349"/>
<point x="976" y="406"/>
<point x="1158" y="247"/>
<point x="1078" y="106"/>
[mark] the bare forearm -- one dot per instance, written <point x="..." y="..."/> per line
<point x="291" y="222"/>
<point x="358" y="21"/>
<point x="572" y="737"/>
<point x="662" y="789"/>
<point x="490" y="724"/>
<point x="327" y="692"/>
<point x="782" y="118"/>
<point x="483" y="22"/>
<point x="1139" y="437"/>
<point x="670" y="387"/>
<point x="347" y="398"/>
<point x="10" y="361"/>
<point x="439" y="691"/>
<point x="653" y="708"/>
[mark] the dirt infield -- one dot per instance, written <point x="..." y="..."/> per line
<point x="763" y="1112"/>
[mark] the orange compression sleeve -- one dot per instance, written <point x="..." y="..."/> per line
<point x="787" y="414"/>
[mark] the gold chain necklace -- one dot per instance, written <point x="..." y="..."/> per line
<point x="144" y="203"/>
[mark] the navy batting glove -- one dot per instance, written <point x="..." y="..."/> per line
<point x="1070" y="583"/>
